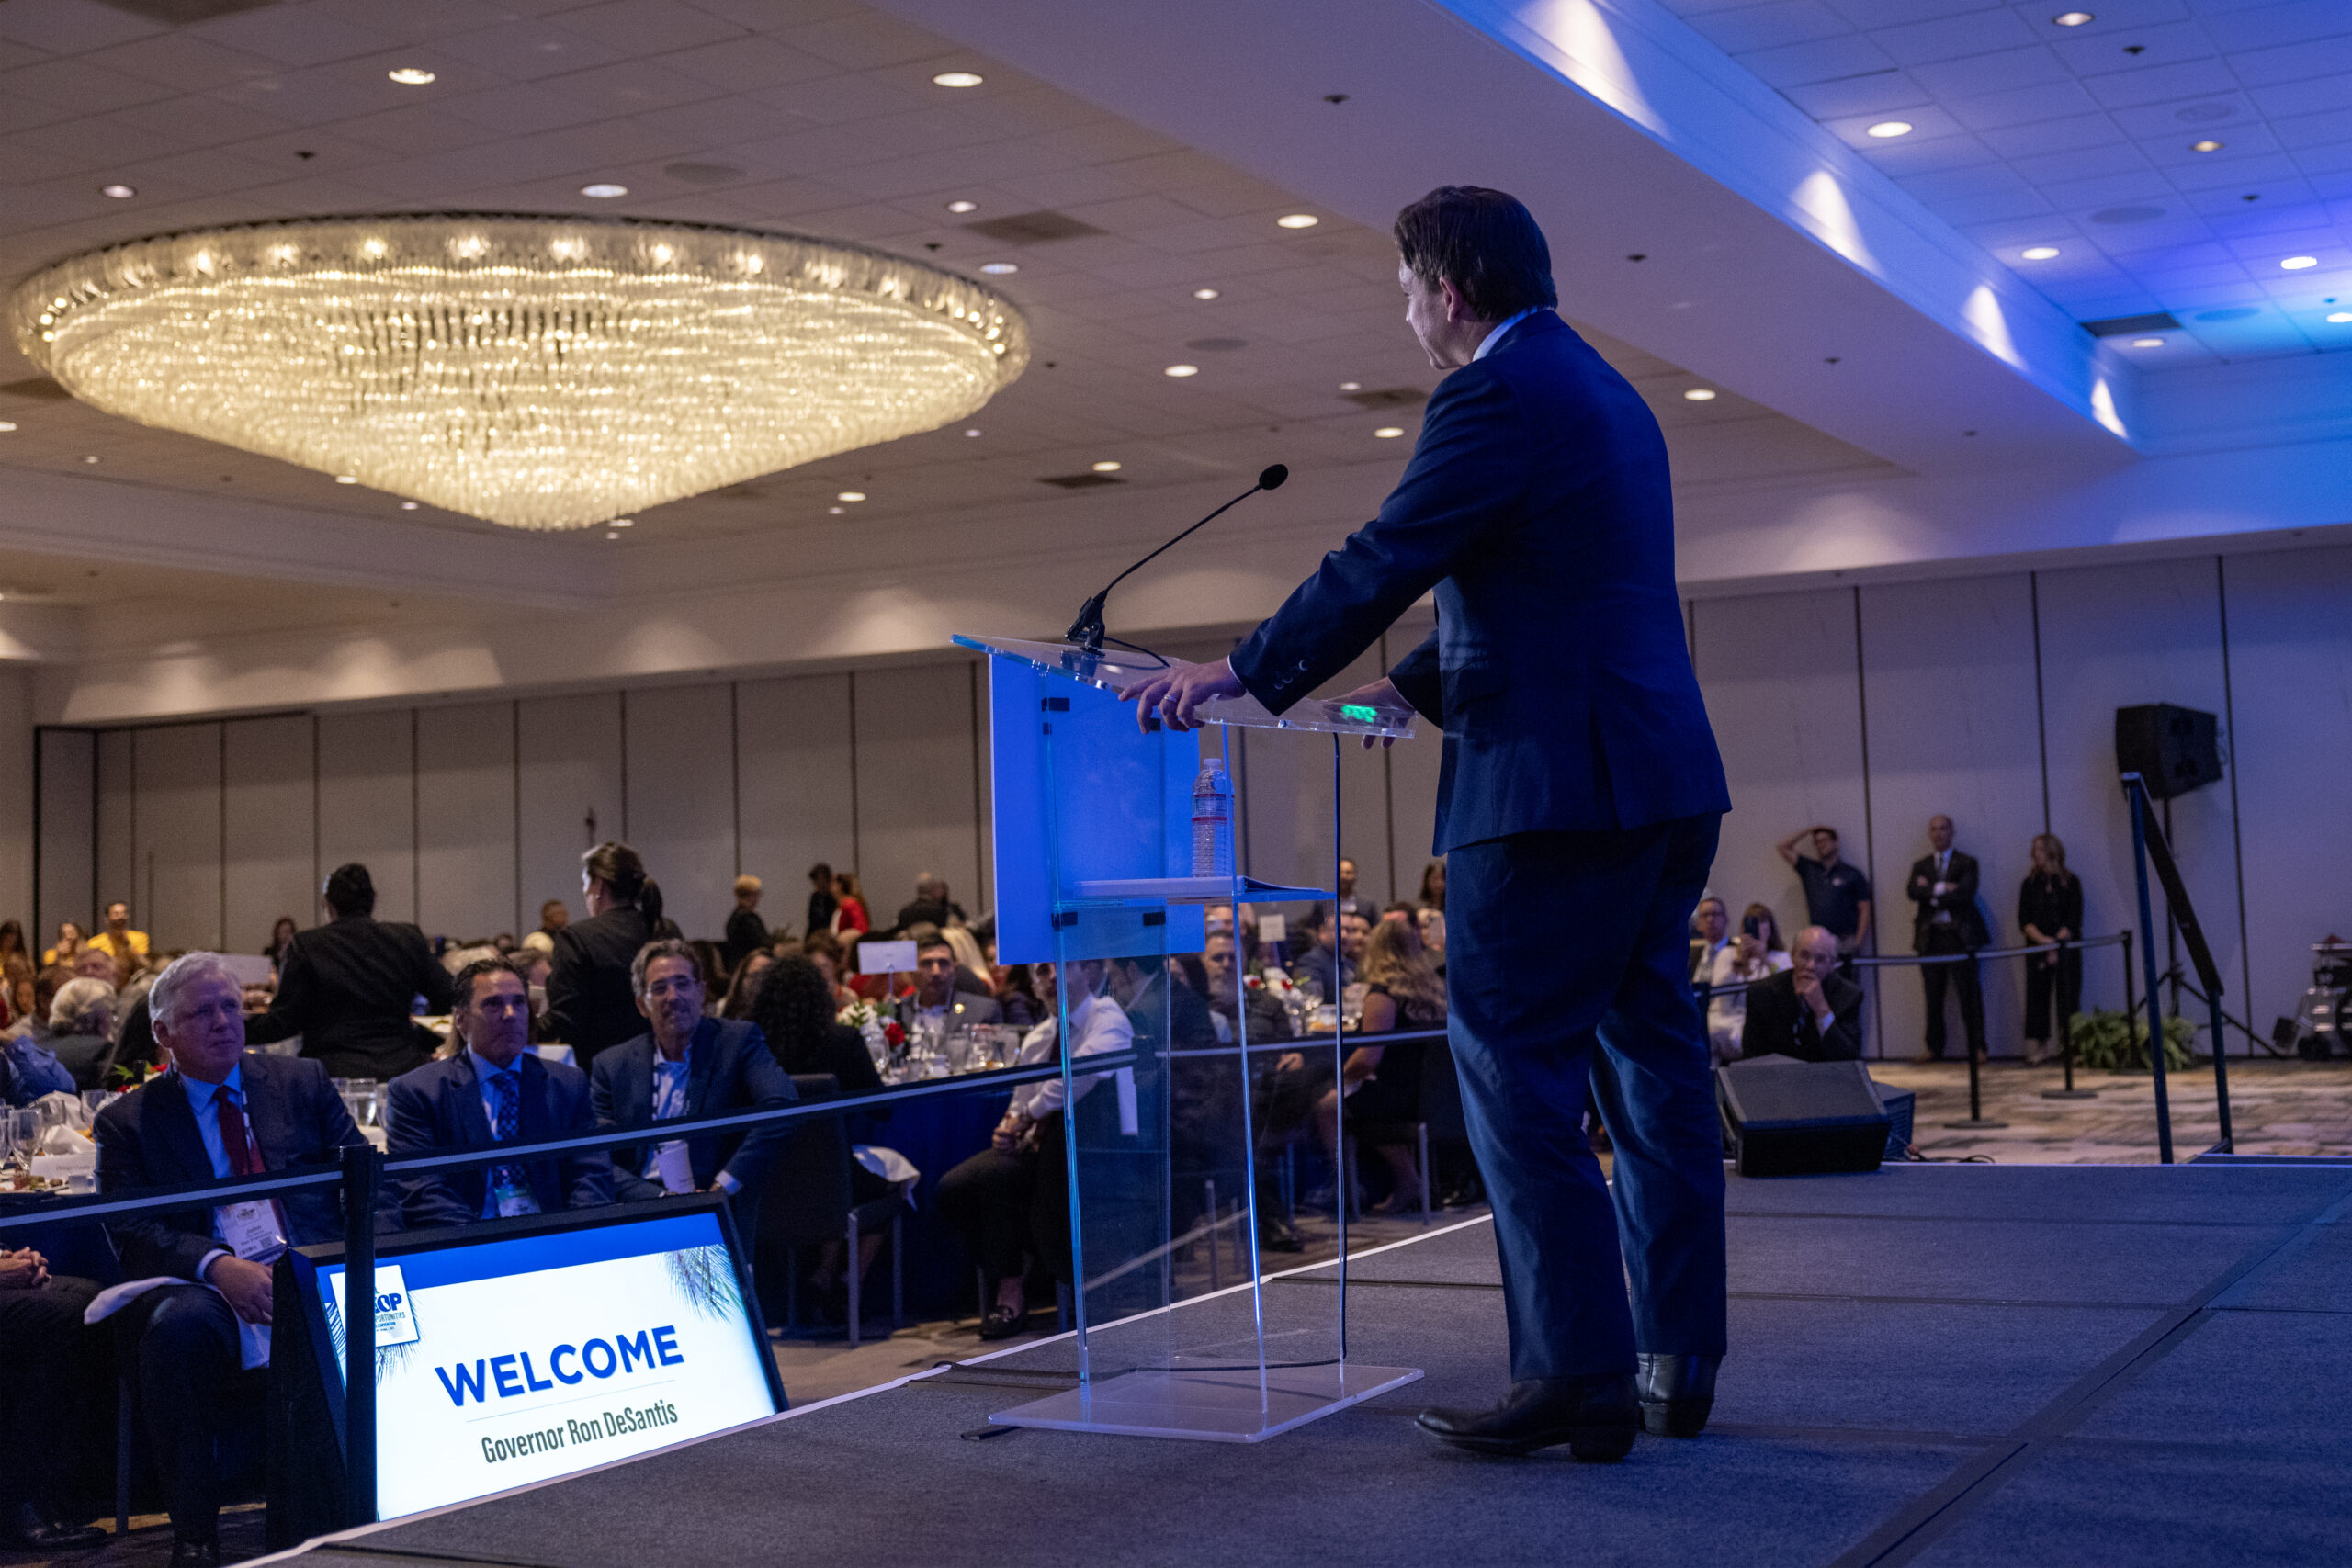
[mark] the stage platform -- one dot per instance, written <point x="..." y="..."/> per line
<point x="1949" y="1366"/>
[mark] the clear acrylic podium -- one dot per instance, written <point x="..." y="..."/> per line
<point x="1179" y="1331"/>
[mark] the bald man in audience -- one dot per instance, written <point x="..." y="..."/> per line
<point x="1808" y="1010"/>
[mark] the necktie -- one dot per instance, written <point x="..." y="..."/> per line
<point x="244" y="1159"/>
<point x="508" y="1128"/>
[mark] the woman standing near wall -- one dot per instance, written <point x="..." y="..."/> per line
<point x="849" y="915"/>
<point x="2050" y="910"/>
<point x="591" y="1004"/>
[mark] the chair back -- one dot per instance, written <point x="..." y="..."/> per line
<point x="805" y="1195"/>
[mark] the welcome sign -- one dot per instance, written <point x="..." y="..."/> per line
<point x="508" y="1359"/>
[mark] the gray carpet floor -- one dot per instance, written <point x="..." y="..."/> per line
<point x="1945" y="1366"/>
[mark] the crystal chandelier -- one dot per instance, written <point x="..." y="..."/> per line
<point x="536" y="372"/>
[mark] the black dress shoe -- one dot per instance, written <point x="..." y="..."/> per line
<point x="1596" y="1416"/>
<point x="1676" y="1392"/>
<point x="28" y="1527"/>
<point x="1002" y="1322"/>
<point x="187" y="1553"/>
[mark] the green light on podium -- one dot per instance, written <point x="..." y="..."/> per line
<point x="1360" y="713"/>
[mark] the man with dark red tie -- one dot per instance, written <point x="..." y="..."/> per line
<point x="201" y="1344"/>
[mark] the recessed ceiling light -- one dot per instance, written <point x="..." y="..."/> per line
<point x="2337" y="317"/>
<point x="120" y="193"/>
<point x="609" y="534"/>
<point x="1388" y="432"/>
<point x="2147" y="343"/>
<point x="346" y="479"/>
<point x="958" y="79"/>
<point x="90" y="458"/>
<point x="1205" y="293"/>
<point x="2039" y="253"/>
<point x="832" y="511"/>
<point x="851" y="495"/>
<point x="2207" y="145"/>
<point x="603" y="192"/>
<point x="1107" y="466"/>
<point x="1181" y="371"/>
<point x="1887" y="128"/>
<point x="2073" y="18"/>
<point x="1351" y="386"/>
<point x="408" y="506"/>
<point x="622" y="523"/>
<point x="410" y="76"/>
<point x="7" y="425"/>
<point x="962" y="205"/>
<point x="1298" y="221"/>
<point x="2297" y="264"/>
<point x="1701" y="395"/>
<point x="999" y="268"/>
<point x="971" y="432"/>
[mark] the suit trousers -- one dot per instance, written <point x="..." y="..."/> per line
<point x="192" y="1392"/>
<point x="1567" y="971"/>
<point x="49" y="1393"/>
<point x="1936" y="978"/>
<point x="2052" y="972"/>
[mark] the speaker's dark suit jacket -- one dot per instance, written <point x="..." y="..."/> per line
<point x="1778" y="1023"/>
<point x="1579" y="797"/>
<point x="1960" y="903"/>
<point x="729" y="1067"/>
<point x="439" y="1107"/>
<point x="346" y="988"/>
<point x="1536" y="504"/>
<point x="148" y="1138"/>
<point x="592" y="1006"/>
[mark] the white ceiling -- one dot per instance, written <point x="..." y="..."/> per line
<point x="826" y="115"/>
<point x="2027" y="134"/>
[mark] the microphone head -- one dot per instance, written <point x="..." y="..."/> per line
<point x="1273" y="477"/>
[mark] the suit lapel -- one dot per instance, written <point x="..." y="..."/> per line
<point x="531" y="1081"/>
<point x="174" y="1121"/>
<point x="473" y="1121"/>
<point x="702" y="1066"/>
<point x="267" y="1113"/>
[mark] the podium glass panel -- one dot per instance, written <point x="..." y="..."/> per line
<point x="1146" y="1167"/>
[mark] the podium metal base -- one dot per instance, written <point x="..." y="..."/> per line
<point x="1220" y="1406"/>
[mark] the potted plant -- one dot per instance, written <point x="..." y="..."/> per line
<point x="2107" y="1039"/>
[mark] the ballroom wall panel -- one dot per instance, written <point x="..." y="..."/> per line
<point x="680" y="753"/>
<point x="367" y="802"/>
<point x="465" y="817"/>
<point x="269" y="821"/>
<point x="176" y="841"/>
<point x="569" y="774"/>
<point x="793" y="785"/>
<point x="916" y="732"/>
<point x="117" y="809"/>
<point x="67" y="833"/>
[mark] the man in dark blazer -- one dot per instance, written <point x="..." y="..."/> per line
<point x="347" y="988"/>
<point x="1579" y="800"/>
<point x="1943" y="886"/>
<point x="218" y="1113"/>
<point x="939" y="996"/>
<point x="1808" y="1010"/>
<point x="688" y="1065"/>
<point x="494" y="1090"/>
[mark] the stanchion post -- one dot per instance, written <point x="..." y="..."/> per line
<point x="2066" y="1032"/>
<point x="2221" y="1070"/>
<point x="2135" y="791"/>
<point x="361" y="1166"/>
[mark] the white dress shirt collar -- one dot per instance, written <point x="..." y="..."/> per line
<point x="1501" y="328"/>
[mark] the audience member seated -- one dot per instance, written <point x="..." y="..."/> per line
<point x="1809" y="1011"/>
<point x="54" y="1372"/>
<point x="1016" y="994"/>
<point x="1710" y="932"/>
<point x="1432" y="923"/>
<point x="494" y="1090"/>
<point x="220" y="1114"/>
<point x="70" y="941"/>
<point x="1319" y="963"/>
<point x="347" y="988"/>
<point x="743" y="983"/>
<point x="1755" y="955"/>
<point x="1268" y="1018"/>
<point x="938" y="1003"/>
<point x="930" y="907"/>
<point x="745" y="930"/>
<point x="97" y="964"/>
<point x="1010" y="1202"/>
<point x="592" y="1002"/>
<point x="81" y="1029"/>
<point x="554" y="915"/>
<point x="17" y="975"/>
<point x="29" y="1069"/>
<point x="280" y="936"/>
<point x="823" y="949"/>
<point x="688" y="1065"/>
<point x="127" y="948"/>
<point x="971" y="962"/>
<point x="1382" y="1084"/>
<point x="850" y="920"/>
<point x="1433" y="894"/>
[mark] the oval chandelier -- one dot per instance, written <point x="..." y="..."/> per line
<point x="535" y="372"/>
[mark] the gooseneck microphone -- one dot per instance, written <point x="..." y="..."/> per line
<point x="1086" y="630"/>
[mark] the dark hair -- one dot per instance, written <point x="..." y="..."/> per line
<point x="622" y="871"/>
<point x="663" y="947"/>
<point x="825" y="942"/>
<point x="1482" y="242"/>
<point x="461" y="984"/>
<point x="350" y="890"/>
<point x="794" y="1008"/>
<point x="821" y="869"/>
<point x="1195" y="972"/>
<point x="1434" y="898"/>
<point x="12" y="936"/>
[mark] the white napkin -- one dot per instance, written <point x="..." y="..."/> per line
<point x="252" y="1338"/>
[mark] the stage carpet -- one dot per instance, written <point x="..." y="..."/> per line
<point x="1947" y="1366"/>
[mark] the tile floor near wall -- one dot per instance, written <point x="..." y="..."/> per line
<point x="2276" y="1107"/>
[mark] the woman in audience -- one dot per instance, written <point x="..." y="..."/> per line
<point x="12" y="942"/>
<point x="1382" y="1083"/>
<point x="81" y="1028"/>
<point x="280" y="935"/>
<point x="18" y="973"/>
<point x="1433" y="887"/>
<point x="1016" y="994"/>
<point x="591" y="1003"/>
<point x="2050" y="910"/>
<point x="1432" y="928"/>
<point x="69" y="942"/>
<point x="824" y="950"/>
<point x="849" y="915"/>
<point x="745" y="983"/>
<point x="1756" y="953"/>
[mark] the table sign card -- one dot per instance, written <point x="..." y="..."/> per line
<point x="885" y="958"/>
<point x="1272" y="929"/>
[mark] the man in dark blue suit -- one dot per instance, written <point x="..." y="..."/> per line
<point x="494" y="1090"/>
<point x="690" y="1065"/>
<point x="219" y="1112"/>
<point x="1578" y="805"/>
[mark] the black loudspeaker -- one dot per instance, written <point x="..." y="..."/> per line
<point x="1792" y="1118"/>
<point x="2176" y="750"/>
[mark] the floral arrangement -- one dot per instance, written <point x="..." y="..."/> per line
<point x="884" y="1036"/>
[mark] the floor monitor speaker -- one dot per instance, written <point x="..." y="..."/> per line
<point x="1792" y="1118"/>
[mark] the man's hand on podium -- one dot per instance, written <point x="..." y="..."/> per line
<point x="1382" y="694"/>
<point x="1172" y="694"/>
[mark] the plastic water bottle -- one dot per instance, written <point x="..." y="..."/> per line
<point x="1212" y="821"/>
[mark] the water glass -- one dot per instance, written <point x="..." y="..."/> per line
<point x="23" y="1134"/>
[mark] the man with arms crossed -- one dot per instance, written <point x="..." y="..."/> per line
<point x="1582" y="786"/>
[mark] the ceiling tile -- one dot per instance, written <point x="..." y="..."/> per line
<point x="2156" y="47"/>
<point x="197" y="120"/>
<point x="2122" y="188"/>
<point x="2053" y="136"/>
<point x="2021" y="105"/>
<point x="864" y="41"/>
<point x="2306" y="98"/>
<point x="1770" y="25"/>
<point x="744" y="63"/>
<point x="79" y="87"/>
<point x="1930" y="122"/>
<point x="2315" y="130"/>
<point x="1896" y="12"/>
<point x="631" y="26"/>
<point x="2327" y="57"/>
<point x="2082" y="164"/>
<point x="2262" y="27"/>
<point x="68" y="26"/>
<point x="1983" y="73"/>
<point x="532" y="47"/>
<point x="298" y="34"/>
<point x="1823" y="62"/>
<point x="2213" y="116"/>
<point x="182" y="61"/>
<point x="2191" y="78"/>
<point x="1950" y="38"/>
<point x="1872" y="93"/>
<point x="1908" y="156"/>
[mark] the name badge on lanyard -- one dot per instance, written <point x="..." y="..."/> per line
<point x="674" y="1167"/>
<point x="514" y="1198"/>
<point x="255" y="1231"/>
